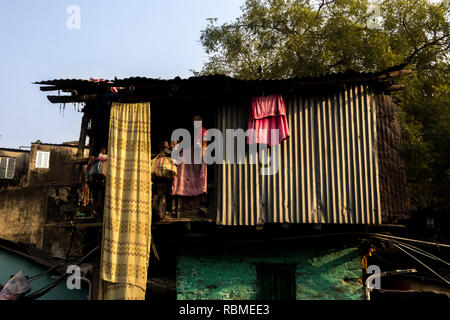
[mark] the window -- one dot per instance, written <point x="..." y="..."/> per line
<point x="275" y="281"/>
<point x="7" y="167"/>
<point x="42" y="159"/>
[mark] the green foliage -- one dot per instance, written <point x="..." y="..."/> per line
<point x="425" y="120"/>
<point x="287" y="38"/>
<point x="297" y="38"/>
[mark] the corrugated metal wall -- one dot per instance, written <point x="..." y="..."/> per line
<point x="328" y="168"/>
<point x="392" y="177"/>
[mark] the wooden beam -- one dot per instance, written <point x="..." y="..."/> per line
<point x="83" y="132"/>
<point x="49" y="88"/>
<point x="70" y="225"/>
<point x="64" y="99"/>
<point x="71" y="99"/>
<point x="395" y="87"/>
<point x="182" y="220"/>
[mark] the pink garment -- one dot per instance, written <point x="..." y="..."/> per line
<point x="191" y="179"/>
<point x="200" y="136"/>
<point x="267" y="113"/>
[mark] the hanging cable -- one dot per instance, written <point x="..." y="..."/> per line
<point x="411" y="240"/>
<point x="422" y="252"/>
<point x="402" y="244"/>
<point x="60" y="263"/>
<point x="415" y="249"/>
<point x="409" y="254"/>
<point x="41" y="292"/>
<point x="396" y="244"/>
<point x="56" y="266"/>
<point x="385" y="261"/>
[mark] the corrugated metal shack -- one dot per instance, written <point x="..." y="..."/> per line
<point x="341" y="167"/>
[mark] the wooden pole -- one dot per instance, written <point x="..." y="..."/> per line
<point x="395" y="87"/>
<point x="83" y="133"/>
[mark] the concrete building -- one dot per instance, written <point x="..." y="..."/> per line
<point x="13" y="167"/>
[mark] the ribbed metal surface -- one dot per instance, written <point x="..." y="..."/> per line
<point x="328" y="168"/>
<point x="393" y="192"/>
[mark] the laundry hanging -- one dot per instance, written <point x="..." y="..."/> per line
<point x="267" y="114"/>
<point x="127" y="217"/>
<point x="191" y="179"/>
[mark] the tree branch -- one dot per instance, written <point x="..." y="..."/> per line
<point x="323" y="4"/>
<point x="416" y="51"/>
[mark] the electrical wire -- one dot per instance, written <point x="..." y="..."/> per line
<point x="422" y="252"/>
<point x="385" y="261"/>
<point x="398" y="246"/>
<point x="429" y="255"/>
<point x="411" y="240"/>
<point x="416" y="249"/>
<point x="60" y="263"/>
<point x="56" y="266"/>
<point x="405" y="246"/>
<point x="437" y="274"/>
<point x="41" y="292"/>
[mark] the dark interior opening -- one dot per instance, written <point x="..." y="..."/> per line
<point x="166" y="116"/>
<point x="275" y="281"/>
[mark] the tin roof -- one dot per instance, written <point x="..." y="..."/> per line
<point x="347" y="75"/>
<point x="80" y="89"/>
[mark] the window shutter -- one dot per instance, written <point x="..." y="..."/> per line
<point x="42" y="159"/>
<point x="10" y="168"/>
<point x="45" y="160"/>
<point x="38" y="159"/>
<point x="3" y="163"/>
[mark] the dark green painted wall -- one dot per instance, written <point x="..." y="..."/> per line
<point x="321" y="274"/>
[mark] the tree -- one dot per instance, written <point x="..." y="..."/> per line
<point x="297" y="38"/>
<point x="291" y="38"/>
<point x="425" y="122"/>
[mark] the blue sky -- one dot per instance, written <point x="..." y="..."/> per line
<point x="149" y="38"/>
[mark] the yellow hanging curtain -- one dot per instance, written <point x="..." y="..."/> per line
<point x="127" y="216"/>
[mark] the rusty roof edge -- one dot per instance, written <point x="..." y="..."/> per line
<point x="349" y="74"/>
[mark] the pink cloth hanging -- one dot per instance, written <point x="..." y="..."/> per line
<point x="267" y="113"/>
<point x="191" y="179"/>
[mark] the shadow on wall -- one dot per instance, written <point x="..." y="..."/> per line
<point x="320" y="274"/>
